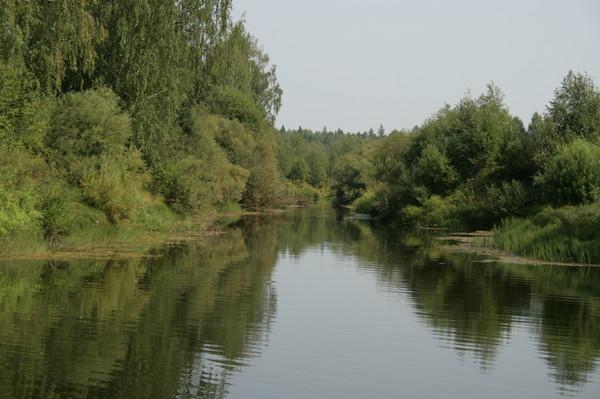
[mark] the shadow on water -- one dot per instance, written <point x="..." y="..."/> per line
<point x="179" y="325"/>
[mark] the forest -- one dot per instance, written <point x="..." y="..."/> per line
<point x="148" y="113"/>
<point x="142" y="113"/>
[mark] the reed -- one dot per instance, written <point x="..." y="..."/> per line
<point x="567" y="234"/>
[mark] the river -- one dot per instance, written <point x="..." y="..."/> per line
<point x="305" y="304"/>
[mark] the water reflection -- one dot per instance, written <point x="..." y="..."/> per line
<point x="183" y="323"/>
<point x="469" y="305"/>
<point x="166" y="327"/>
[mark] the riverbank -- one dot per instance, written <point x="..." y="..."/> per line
<point x="96" y="242"/>
<point x="486" y="244"/>
<point x="562" y="236"/>
<point x="128" y="241"/>
<point x="568" y="234"/>
<point x="112" y="241"/>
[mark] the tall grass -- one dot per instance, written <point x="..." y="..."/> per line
<point x="569" y="234"/>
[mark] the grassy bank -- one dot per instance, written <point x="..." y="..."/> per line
<point x="105" y="240"/>
<point x="128" y="240"/>
<point x="564" y="234"/>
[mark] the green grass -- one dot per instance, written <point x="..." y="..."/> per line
<point x="154" y="224"/>
<point x="570" y="234"/>
<point x="20" y="243"/>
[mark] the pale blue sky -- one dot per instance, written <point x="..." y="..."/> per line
<point x="357" y="63"/>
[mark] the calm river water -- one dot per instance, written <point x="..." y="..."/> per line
<point x="305" y="304"/>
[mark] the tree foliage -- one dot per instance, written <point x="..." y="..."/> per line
<point x="475" y="163"/>
<point x="130" y="103"/>
<point x="572" y="176"/>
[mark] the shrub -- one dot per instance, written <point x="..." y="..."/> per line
<point x="262" y="189"/>
<point x="114" y="184"/>
<point x="18" y="199"/>
<point x="88" y="124"/>
<point x="63" y="212"/>
<point x="509" y="198"/>
<point x="412" y="214"/>
<point x="201" y="177"/>
<point x="367" y="204"/>
<point x="234" y="104"/>
<point x="350" y="181"/>
<point x="157" y="216"/>
<point x="435" y="172"/>
<point x="89" y="141"/>
<point x="24" y="113"/>
<point x="572" y="176"/>
<point x="299" y="194"/>
<point x="435" y="212"/>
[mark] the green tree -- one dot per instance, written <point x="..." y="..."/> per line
<point x="238" y="73"/>
<point x="89" y="144"/>
<point x="350" y="180"/>
<point x="435" y="172"/>
<point x="575" y="108"/>
<point x="263" y="188"/>
<point x="572" y="176"/>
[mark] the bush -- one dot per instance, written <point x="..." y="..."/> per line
<point x="24" y="113"/>
<point x="88" y="124"/>
<point x="509" y="198"/>
<point x="191" y="186"/>
<point x="157" y="216"/>
<point x="435" y="212"/>
<point x="299" y="194"/>
<point x="18" y="199"/>
<point x="89" y="142"/>
<point x="201" y="177"/>
<point x="263" y="187"/>
<point x="114" y="184"/>
<point x="234" y="104"/>
<point x="572" y="176"/>
<point x="63" y="212"/>
<point x="367" y="204"/>
<point x="350" y="181"/>
<point x="435" y="172"/>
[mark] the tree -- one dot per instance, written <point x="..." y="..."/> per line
<point x="435" y="172"/>
<point x="238" y="63"/>
<point x="575" y="108"/>
<point x="89" y="144"/>
<point x="572" y="176"/>
<point x="350" y="182"/>
<point x="474" y="134"/>
<point x="262" y="190"/>
<point x="57" y="40"/>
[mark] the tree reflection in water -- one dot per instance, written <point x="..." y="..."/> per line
<point x="180" y="324"/>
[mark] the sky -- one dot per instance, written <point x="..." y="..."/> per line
<point x="356" y="64"/>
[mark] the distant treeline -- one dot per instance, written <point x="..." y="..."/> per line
<point x="476" y="165"/>
<point x="142" y="112"/>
